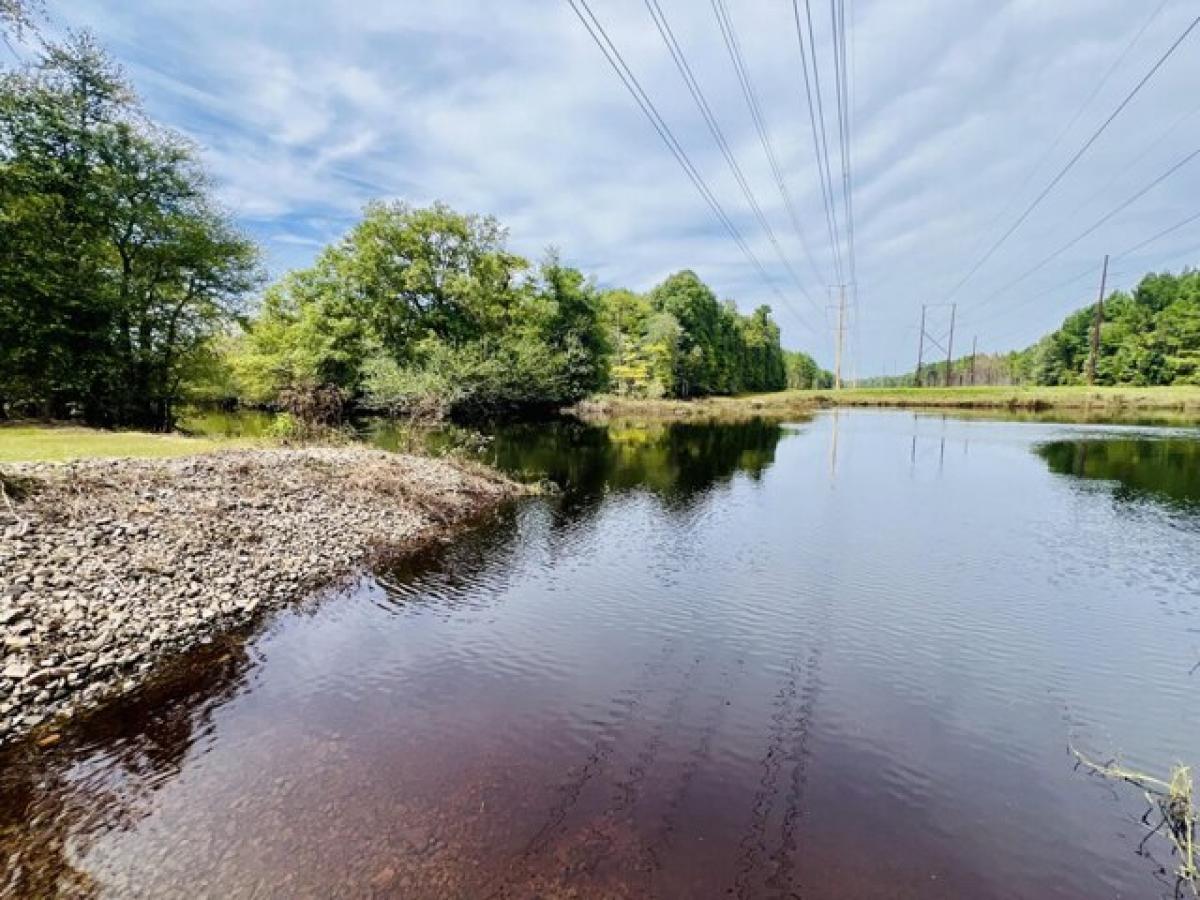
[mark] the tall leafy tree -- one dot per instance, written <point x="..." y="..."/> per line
<point x="1150" y="336"/>
<point x="679" y="341"/>
<point x="429" y="272"/>
<point x="426" y="310"/>
<point x="116" y="268"/>
<point x="694" y="306"/>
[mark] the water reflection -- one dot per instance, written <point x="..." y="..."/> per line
<point x="1162" y="469"/>
<point x="696" y="670"/>
<point x="100" y="773"/>
<point x="677" y="462"/>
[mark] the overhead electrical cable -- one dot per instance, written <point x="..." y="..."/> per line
<point x="714" y="127"/>
<point x="1091" y="229"/>
<point x="1170" y="229"/>
<point x="598" y="34"/>
<point x="732" y="45"/>
<point x="816" y="118"/>
<point x="1091" y="270"/>
<point x="837" y="11"/>
<point x="1070" y="164"/>
<point x="1016" y="194"/>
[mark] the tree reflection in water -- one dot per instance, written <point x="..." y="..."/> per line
<point x="105" y="769"/>
<point x="102" y="774"/>
<point x="1166" y="470"/>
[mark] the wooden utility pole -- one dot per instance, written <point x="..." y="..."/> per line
<point x="950" y="343"/>
<point x="1094" y="356"/>
<point x="920" y="347"/>
<point x="974" y="344"/>
<point x="841" y="330"/>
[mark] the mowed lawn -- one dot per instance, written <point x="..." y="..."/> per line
<point x="59" y="443"/>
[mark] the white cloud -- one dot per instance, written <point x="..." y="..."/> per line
<point x="306" y="112"/>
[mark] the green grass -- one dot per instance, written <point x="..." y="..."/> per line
<point x="1145" y="398"/>
<point x="1181" y="403"/>
<point x="59" y="443"/>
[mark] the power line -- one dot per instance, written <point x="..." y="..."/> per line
<point x="816" y="118"/>
<point x="1074" y="159"/>
<point x="1062" y="133"/>
<point x="837" y="11"/>
<point x="617" y="61"/>
<point x="1154" y="143"/>
<point x="1090" y="270"/>
<point x="1091" y="229"/>
<point x="729" y="35"/>
<point x="1157" y="142"/>
<point x="693" y="86"/>
<point x="837" y="18"/>
<point x="1162" y="234"/>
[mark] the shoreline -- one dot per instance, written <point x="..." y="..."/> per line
<point x="113" y="566"/>
<point x="1099" y="401"/>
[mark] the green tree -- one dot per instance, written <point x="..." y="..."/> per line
<point x="679" y="341"/>
<point x="425" y="311"/>
<point x="309" y="333"/>
<point x="116" y="268"/>
<point x="428" y="272"/>
<point x="1150" y="336"/>
<point x="694" y="306"/>
<point x="803" y="373"/>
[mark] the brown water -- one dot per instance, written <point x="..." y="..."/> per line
<point x="843" y="658"/>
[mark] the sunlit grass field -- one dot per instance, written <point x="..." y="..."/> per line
<point x="59" y="443"/>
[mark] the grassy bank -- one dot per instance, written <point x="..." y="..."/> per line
<point x="58" y="443"/>
<point x="1099" y="401"/>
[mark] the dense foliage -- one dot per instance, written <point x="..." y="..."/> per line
<point x="679" y="341"/>
<point x="425" y="311"/>
<point x="1150" y="336"/>
<point x="803" y="373"/>
<point x="123" y="290"/>
<point x="116" y="269"/>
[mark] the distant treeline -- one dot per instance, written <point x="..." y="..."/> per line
<point x="803" y="373"/>
<point x="124" y="289"/>
<point x="1150" y="336"/>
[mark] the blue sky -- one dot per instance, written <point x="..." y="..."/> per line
<point x="305" y="111"/>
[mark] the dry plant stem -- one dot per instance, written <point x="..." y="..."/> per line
<point x="21" y="522"/>
<point x="1173" y="800"/>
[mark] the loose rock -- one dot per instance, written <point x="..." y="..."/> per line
<point x="107" y="566"/>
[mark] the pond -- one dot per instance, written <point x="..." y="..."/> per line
<point x="844" y="657"/>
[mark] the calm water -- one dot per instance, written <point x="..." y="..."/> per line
<point x="841" y="658"/>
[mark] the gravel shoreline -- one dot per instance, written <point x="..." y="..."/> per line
<point x="110" y="566"/>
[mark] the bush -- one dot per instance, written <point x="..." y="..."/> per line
<point x="419" y="392"/>
<point x="477" y="380"/>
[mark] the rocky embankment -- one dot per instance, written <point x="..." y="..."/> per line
<point x="108" y="566"/>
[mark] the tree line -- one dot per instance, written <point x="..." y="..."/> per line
<point x="1149" y="336"/>
<point x="426" y="312"/>
<point x="126" y="289"/>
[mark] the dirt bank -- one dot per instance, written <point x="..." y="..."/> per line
<point x="108" y="566"/>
